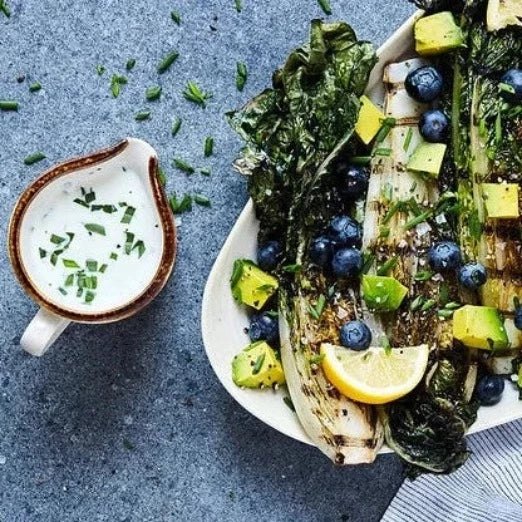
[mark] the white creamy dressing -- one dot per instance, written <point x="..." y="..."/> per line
<point x="53" y="211"/>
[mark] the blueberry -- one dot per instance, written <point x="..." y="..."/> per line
<point x="264" y="327"/>
<point x="347" y="262"/>
<point x="356" y="335"/>
<point x="424" y="84"/>
<point x="472" y="275"/>
<point x="518" y="318"/>
<point x="434" y="126"/>
<point x="489" y="389"/>
<point x="345" y="231"/>
<point x="321" y="251"/>
<point x="268" y="255"/>
<point x="353" y="179"/>
<point x="513" y="80"/>
<point x="444" y="256"/>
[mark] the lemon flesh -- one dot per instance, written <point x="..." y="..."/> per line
<point x="375" y="375"/>
<point x="502" y="13"/>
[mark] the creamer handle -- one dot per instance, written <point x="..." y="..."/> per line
<point x="42" y="332"/>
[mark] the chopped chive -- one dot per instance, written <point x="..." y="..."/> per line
<point x="205" y="171"/>
<point x="140" y="245"/>
<point x="498" y="128"/>
<point x="35" y="87"/>
<point x="130" y="64"/>
<point x="368" y="260"/>
<point x="418" y="219"/>
<point x="54" y="257"/>
<point x="56" y="239"/>
<point x="5" y="8"/>
<point x="153" y="93"/>
<point x="407" y="140"/>
<point x="194" y="94"/>
<point x="70" y="263"/>
<point x="382" y="151"/>
<point x="89" y="196"/>
<point x="100" y="69"/>
<point x="414" y="206"/>
<point x="317" y="310"/>
<point x="387" y="266"/>
<point x="122" y="204"/>
<point x="360" y="160"/>
<point x="316" y="359"/>
<point x="208" y="148"/>
<point x="142" y="115"/>
<point x="165" y="64"/>
<point x="116" y="82"/>
<point x="8" y="105"/>
<point x="89" y="297"/>
<point x="288" y="401"/>
<point x="444" y="294"/>
<point x="176" y="125"/>
<point x="416" y="303"/>
<point x="445" y="313"/>
<point x="128" y="215"/>
<point x="91" y="282"/>
<point x="423" y="275"/>
<point x="70" y="280"/>
<point x="113" y="256"/>
<point x="34" y="158"/>
<point x="81" y="202"/>
<point x="241" y="75"/>
<point x="103" y="268"/>
<point x="43" y="253"/>
<point x="258" y="364"/>
<point x="202" y="200"/>
<point x="325" y="6"/>
<point x="429" y="303"/>
<point x="108" y="209"/>
<point x="95" y="228"/>
<point x="387" y="192"/>
<point x="178" y="207"/>
<point x="176" y="17"/>
<point x="239" y="5"/>
<point x="62" y="291"/>
<point x="183" y="165"/>
<point x="396" y="207"/>
<point x="292" y="269"/>
<point x="384" y="232"/>
<point x="161" y="176"/>
<point x="386" y="127"/>
<point x="452" y="305"/>
<point x="129" y="241"/>
<point x="92" y="265"/>
<point x="79" y="292"/>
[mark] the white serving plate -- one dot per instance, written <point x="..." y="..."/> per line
<point x="224" y="321"/>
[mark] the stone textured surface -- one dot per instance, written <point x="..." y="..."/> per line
<point x="127" y="422"/>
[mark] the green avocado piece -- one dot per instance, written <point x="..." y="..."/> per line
<point x="427" y="158"/>
<point x="250" y="285"/>
<point x="383" y="293"/>
<point x="480" y="327"/>
<point x="437" y="34"/>
<point x="257" y="367"/>
<point x="501" y="200"/>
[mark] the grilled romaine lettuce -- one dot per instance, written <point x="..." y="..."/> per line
<point x="295" y="131"/>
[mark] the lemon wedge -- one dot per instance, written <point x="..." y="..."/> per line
<point x="502" y="13"/>
<point x="375" y="375"/>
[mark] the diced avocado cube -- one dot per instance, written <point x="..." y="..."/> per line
<point x="369" y="121"/>
<point x="427" y="158"/>
<point x="479" y="327"/>
<point x="257" y="366"/>
<point x="501" y="200"/>
<point x="250" y="285"/>
<point x="437" y="34"/>
<point x="383" y="292"/>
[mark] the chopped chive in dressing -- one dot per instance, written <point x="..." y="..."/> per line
<point x="43" y="253"/>
<point x="92" y="265"/>
<point x="70" y="263"/>
<point x="128" y="215"/>
<point x="140" y="246"/>
<point x="129" y="241"/>
<point x="56" y="239"/>
<point x="94" y="228"/>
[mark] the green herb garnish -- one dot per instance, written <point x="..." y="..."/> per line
<point x="183" y="165"/>
<point x="178" y="207"/>
<point x="94" y="228"/>
<point x="316" y="359"/>
<point x="205" y="171"/>
<point x="43" y="253"/>
<point x="153" y="93"/>
<point x="113" y="256"/>
<point x="81" y="202"/>
<point x="258" y="364"/>
<point x="108" y="209"/>
<point x="34" y="158"/>
<point x="195" y="95"/>
<point x="241" y="75"/>
<point x="416" y="303"/>
<point x="202" y="200"/>
<point x="4" y="8"/>
<point x="325" y="6"/>
<point x="317" y="310"/>
<point x="292" y="269"/>
<point x="130" y="64"/>
<point x="128" y="215"/>
<point x="387" y="125"/>
<point x="423" y="275"/>
<point x="89" y="297"/>
<point x="239" y="5"/>
<point x="382" y="151"/>
<point x="176" y="125"/>
<point x="89" y="196"/>
<point x="103" y="268"/>
<point x="35" y="87"/>
<point x="70" y="280"/>
<point x="92" y="265"/>
<point x="169" y="59"/>
<point x="387" y="266"/>
<point x="429" y="303"/>
<point x="129" y="241"/>
<point x="117" y="80"/>
<point x="140" y="246"/>
<point x="8" y="105"/>
<point x="360" y="160"/>
<point x="208" y="148"/>
<point x="417" y="220"/>
<point x="407" y="140"/>
<point x="176" y="17"/>
<point x="142" y="115"/>
<point x="62" y="291"/>
<point x="161" y="176"/>
<point x="70" y="263"/>
<point x="56" y="239"/>
<point x="288" y="401"/>
<point x="100" y="69"/>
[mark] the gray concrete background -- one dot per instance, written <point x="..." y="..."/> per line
<point x="127" y="422"/>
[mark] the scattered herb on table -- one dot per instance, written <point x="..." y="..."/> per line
<point x="202" y="200"/>
<point x="241" y="75"/>
<point x="292" y="269"/>
<point x="209" y="146"/>
<point x="153" y="93"/>
<point x="35" y="87"/>
<point x="325" y="6"/>
<point x="167" y="61"/>
<point x="205" y="171"/>
<point x="182" y="205"/>
<point x="34" y="158"/>
<point x="161" y="176"/>
<point x="9" y="105"/>
<point x="4" y="8"/>
<point x="176" y="17"/>
<point x="183" y="165"/>
<point x="130" y="64"/>
<point x="239" y="5"/>
<point x="100" y="69"/>
<point x="142" y="115"/>
<point x="195" y="95"/>
<point x="117" y="80"/>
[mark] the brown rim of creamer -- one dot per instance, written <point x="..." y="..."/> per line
<point x="167" y="222"/>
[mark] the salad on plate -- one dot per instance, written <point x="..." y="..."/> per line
<point x="386" y="294"/>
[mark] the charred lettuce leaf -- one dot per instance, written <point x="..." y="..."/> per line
<point x="427" y="427"/>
